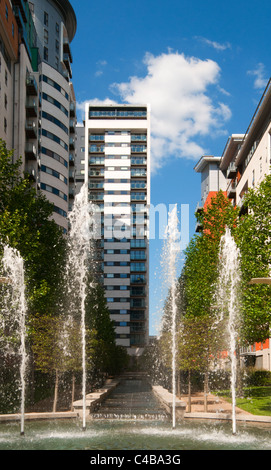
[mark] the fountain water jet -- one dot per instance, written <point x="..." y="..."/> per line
<point x="82" y="230"/>
<point x="227" y="301"/>
<point x="171" y="252"/>
<point x="13" y="264"/>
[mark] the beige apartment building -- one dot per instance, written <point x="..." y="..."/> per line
<point x="244" y="163"/>
<point x="37" y="100"/>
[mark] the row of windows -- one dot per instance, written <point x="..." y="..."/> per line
<point x="134" y="278"/>
<point x="55" y="156"/>
<point x="55" y="85"/>
<point x="55" y="103"/>
<point x="101" y="137"/>
<point x="55" y="121"/>
<point x="100" y="148"/>
<point x="54" y="173"/>
<point x="60" y="211"/>
<point x="51" y="189"/>
<point x="116" y="113"/>
<point x="55" y="138"/>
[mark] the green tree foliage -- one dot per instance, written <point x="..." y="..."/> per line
<point x="201" y="256"/>
<point x="26" y="224"/>
<point x="108" y="358"/>
<point x="254" y="240"/>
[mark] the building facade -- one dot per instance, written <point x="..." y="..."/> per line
<point x="9" y="51"/>
<point x="245" y="162"/>
<point x="115" y="142"/>
<point x="55" y="24"/>
<point x="37" y="100"/>
<point x="212" y="180"/>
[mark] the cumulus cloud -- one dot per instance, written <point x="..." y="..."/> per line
<point x="182" y="110"/>
<point x="260" y="81"/>
<point x="176" y="87"/>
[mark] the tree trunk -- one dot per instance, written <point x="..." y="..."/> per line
<point x="189" y="391"/>
<point x="239" y="384"/>
<point x="73" y="390"/>
<point x="206" y="392"/>
<point x="179" y="384"/>
<point x="56" y="391"/>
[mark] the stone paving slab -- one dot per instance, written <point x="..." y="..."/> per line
<point x="44" y="415"/>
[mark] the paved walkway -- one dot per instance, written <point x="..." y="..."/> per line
<point x="215" y="404"/>
<point x="220" y="409"/>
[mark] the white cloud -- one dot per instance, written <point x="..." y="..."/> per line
<point x="260" y="81"/>
<point x="216" y="45"/>
<point x="182" y="109"/>
<point x="101" y="65"/>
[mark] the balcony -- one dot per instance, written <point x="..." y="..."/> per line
<point x="72" y="126"/>
<point x="30" y="151"/>
<point x="31" y="130"/>
<point x="72" y="143"/>
<point x="31" y="85"/>
<point x="72" y="109"/>
<point x="66" y="48"/>
<point x="71" y="175"/>
<point x="71" y="159"/>
<point x="199" y="227"/>
<point x="31" y="107"/>
<point x="231" y="191"/>
<point x="66" y="61"/>
<point x="232" y="170"/>
<point x="20" y="5"/>
<point x="199" y="208"/>
<point x="32" y="173"/>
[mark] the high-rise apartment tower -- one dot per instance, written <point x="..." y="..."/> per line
<point x="116" y="167"/>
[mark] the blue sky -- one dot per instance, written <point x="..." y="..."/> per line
<point x="201" y="65"/>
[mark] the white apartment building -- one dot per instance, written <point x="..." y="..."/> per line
<point x="117" y="169"/>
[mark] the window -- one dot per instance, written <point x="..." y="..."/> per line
<point x="55" y="103"/>
<point x="5" y="125"/>
<point x="57" y="45"/>
<point x="45" y="53"/>
<point x="6" y="12"/>
<point x="45" y="36"/>
<point x="138" y="267"/>
<point x="46" y="19"/>
<point x="55" y="121"/>
<point x="12" y="30"/>
<point x="57" y="29"/>
<point x="110" y="299"/>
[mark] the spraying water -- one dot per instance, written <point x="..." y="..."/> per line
<point x="227" y="301"/>
<point x="13" y="264"/>
<point x="78" y="265"/>
<point x="170" y="257"/>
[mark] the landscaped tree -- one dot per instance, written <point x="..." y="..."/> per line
<point x="108" y="358"/>
<point x="199" y="342"/>
<point x="200" y="267"/>
<point x="26" y="224"/>
<point x="253" y="237"/>
<point x="56" y="346"/>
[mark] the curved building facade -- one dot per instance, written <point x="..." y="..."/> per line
<point x="55" y="24"/>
